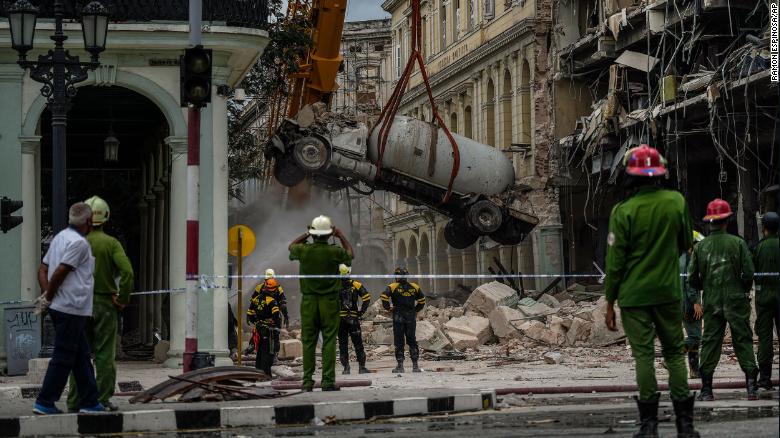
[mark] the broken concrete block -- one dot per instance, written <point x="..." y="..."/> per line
<point x="373" y="310"/>
<point x="579" y="331"/>
<point x="505" y="320"/>
<point x="161" y="351"/>
<point x="463" y="341"/>
<point x="538" y="310"/>
<point x="382" y="334"/>
<point x="290" y="349"/>
<point x="559" y="325"/>
<point x="553" y="357"/>
<point x="488" y="296"/>
<point x="562" y="296"/>
<point x="476" y="326"/>
<point x="430" y="338"/>
<point x="599" y="334"/>
<point x="567" y="303"/>
<point x="587" y="315"/>
<point x="549" y="300"/>
<point x="532" y="329"/>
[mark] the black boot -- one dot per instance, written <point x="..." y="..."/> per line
<point x="648" y="417"/>
<point x="765" y="377"/>
<point x="400" y="368"/>
<point x="683" y="413"/>
<point x="750" y="383"/>
<point x="415" y="368"/>
<point x="693" y="364"/>
<point x="346" y="370"/>
<point x="706" y="388"/>
<point x="362" y="368"/>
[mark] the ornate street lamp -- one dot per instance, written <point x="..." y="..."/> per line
<point x="59" y="72"/>
<point x="111" y="148"/>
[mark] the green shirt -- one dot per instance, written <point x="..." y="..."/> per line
<point x="110" y="262"/>
<point x="647" y="234"/>
<point x="765" y="259"/>
<point x="319" y="258"/>
<point x="721" y="266"/>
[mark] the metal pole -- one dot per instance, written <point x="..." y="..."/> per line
<point x="59" y="112"/>
<point x="193" y="197"/>
<point x="240" y="298"/>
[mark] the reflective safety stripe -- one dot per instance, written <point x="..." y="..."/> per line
<point x="384" y="297"/>
<point x="366" y="297"/>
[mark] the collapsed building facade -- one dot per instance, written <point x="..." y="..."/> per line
<point x="690" y="78"/>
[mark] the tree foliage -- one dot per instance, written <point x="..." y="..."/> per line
<point x="289" y="41"/>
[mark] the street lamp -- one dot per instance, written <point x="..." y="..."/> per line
<point x="59" y="72"/>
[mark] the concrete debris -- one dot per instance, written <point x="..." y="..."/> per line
<point x="549" y="300"/>
<point x="373" y="310"/>
<point x="504" y="321"/>
<point x="463" y="341"/>
<point x="599" y="334"/>
<point x="553" y="357"/>
<point x="382" y="334"/>
<point x="161" y="351"/>
<point x="290" y="349"/>
<point x="538" y="310"/>
<point x="476" y="326"/>
<point x="431" y="338"/>
<point x="579" y="331"/>
<point x="488" y="296"/>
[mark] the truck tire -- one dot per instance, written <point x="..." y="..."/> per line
<point x="485" y="217"/>
<point x="459" y="235"/>
<point x="311" y="154"/>
<point x="287" y="172"/>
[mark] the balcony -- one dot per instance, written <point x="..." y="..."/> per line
<point x="238" y="13"/>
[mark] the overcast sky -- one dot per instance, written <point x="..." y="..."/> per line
<point x="364" y="10"/>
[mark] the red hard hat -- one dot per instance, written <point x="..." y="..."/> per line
<point x="645" y="161"/>
<point x="717" y="209"/>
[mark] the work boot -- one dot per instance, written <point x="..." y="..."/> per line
<point x="706" y="388"/>
<point x="400" y="368"/>
<point x="750" y="383"/>
<point x="683" y="413"/>
<point x="693" y="364"/>
<point x="331" y="388"/>
<point x="362" y="369"/>
<point x="415" y="368"/>
<point x="346" y="370"/>
<point x="765" y="379"/>
<point x="275" y="361"/>
<point x="648" y="417"/>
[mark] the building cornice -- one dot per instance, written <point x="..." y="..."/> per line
<point x="391" y="5"/>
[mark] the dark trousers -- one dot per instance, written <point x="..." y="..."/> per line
<point x="404" y="327"/>
<point x="277" y="344"/>
<point x="350" y="328"/>
<point x="265" y="349"/>
<point x="71" y="354"/>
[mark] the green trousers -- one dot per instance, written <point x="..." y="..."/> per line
<point x="766" y="318"/>
<point x="737" y="315"/>
<point x="642" y="325"/>
<point x="319" y="314"/>
<point x="101" y="334"/>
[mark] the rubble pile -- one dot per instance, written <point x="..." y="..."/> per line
<point x="495" y="316"/>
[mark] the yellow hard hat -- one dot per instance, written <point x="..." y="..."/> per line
<point x="269" y="273"/>
<point x="697" y="236"/>
<point x="100" y="210"/>
<point x="344" y="270"/>
<point x="321" y="226"/>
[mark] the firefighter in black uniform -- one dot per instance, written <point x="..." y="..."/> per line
<point x="278" y="293"/>
<point x="263" y="314"/>
<point x="407" y="300"/>
<point x="354" y="303"/>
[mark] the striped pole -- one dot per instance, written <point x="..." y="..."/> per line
<point x="193" y="197"/>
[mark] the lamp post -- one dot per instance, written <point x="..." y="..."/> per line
<point x="59" y="72"/>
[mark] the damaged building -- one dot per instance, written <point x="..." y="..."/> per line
<point x="690" y="78"/>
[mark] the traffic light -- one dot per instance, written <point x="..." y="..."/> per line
<point x="195" y="76"/>
<point x="7" y="206"/>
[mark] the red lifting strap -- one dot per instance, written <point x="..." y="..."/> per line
<point x="389" y="111"/>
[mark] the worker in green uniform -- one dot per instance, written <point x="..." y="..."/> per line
<point x="647" y="233"/>
<point x="765" y="259"/>
<point x="320" y="296"/>
<point x="721" y="266"/>
<point x="109" y="299"/>
<point x="354" y="299"/>
<point x="692" y="313"/>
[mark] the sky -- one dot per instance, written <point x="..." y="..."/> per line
<point x="365" y="10"/>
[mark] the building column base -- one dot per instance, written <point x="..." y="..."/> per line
<point x="175" y="358"/>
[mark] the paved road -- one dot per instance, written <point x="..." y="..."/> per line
<point x="721" y="422"/>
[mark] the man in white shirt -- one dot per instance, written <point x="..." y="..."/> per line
<point x="65" y="277"/>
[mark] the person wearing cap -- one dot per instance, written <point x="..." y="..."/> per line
<point x="110" y="298"/>
<point x="263" y="315"/>
<point x="765" y="259"/>
<point x="721" y="266"/>
<point x="354" y="303"/>
<point x="277" y="291"/>
<point x="692" y="313"/>
<point x="648" y="232"/>
<point x="320" y="296"/>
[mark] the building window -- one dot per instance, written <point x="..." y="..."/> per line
<point x="456" y="24"/>
<point x="471" y="14"/>
<point x="443" y="16"/>
<point x="398" y="54"/>
<point x="490" y="9"/>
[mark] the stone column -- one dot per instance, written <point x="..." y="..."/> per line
<point x="31" y="227"/>
<point x="159" y="250"/>
<point x="177" y="224"/>
<point x="144" y="263"/>
<point x="151" y="267"/>
<point x="548" y="253"/>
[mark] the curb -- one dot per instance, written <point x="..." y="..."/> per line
<point x="245" y="416"/>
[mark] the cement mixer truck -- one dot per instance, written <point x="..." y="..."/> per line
<point x="336" y="153"/>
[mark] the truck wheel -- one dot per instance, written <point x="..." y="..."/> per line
<point x="287" y="172"/>
<point x="485" y="217"/>
<point x="311" y="154"/>
<point x="458" y="234"/>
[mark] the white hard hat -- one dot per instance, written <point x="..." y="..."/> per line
<point x="344" y="269"/>
<point x="100" y="210"/>
<point x="321" y="226"/>
<point x="269" y="273"/>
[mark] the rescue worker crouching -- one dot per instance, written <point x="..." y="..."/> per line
<point x="278" y="293"/>
<point x="354" y="302"/>
<point x="264" y="315"/>
<point x="407" y="299"/>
